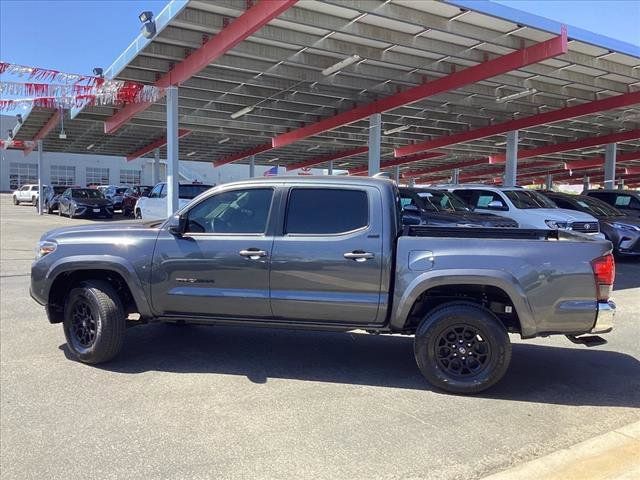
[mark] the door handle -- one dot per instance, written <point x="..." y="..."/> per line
<point x="359" y="256"/>
<point x="252" y="253"/>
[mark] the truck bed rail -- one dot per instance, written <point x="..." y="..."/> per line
<point x="473" y="232"/>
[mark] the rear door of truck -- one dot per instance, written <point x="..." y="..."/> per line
<point x="327" y="258"/>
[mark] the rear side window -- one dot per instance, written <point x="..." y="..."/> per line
<point x="326" y="211"/>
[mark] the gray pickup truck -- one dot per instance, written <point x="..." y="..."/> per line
<point x="327" y="253"/>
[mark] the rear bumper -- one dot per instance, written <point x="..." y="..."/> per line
<point x="604" y="317"/>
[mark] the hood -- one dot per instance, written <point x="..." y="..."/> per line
<point x="92" y="202"/>
<point x="560" y="214"/>
<point x="102" y="231"/>
<point x="468" y="218"/>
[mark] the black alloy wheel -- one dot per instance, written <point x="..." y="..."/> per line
<point x="461" y="351"/>
<point x="83" y="323"/>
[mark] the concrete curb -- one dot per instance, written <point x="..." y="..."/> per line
<point x="612" y="456"/>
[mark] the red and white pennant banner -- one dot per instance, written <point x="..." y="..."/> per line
<point x="21" y="144"/>
<point x="45" y="74"/>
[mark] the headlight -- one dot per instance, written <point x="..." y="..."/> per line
<point x="556" y="224"/>
<point x="45" y="248"/>
<point x="624" y="226"/>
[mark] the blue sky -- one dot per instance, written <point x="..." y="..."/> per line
<point x="76" y="35"/>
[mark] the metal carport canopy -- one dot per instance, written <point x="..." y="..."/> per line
<point x="275" y="74"/>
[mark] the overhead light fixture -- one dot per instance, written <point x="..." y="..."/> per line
<point x="224" y="140"/>
<point x="499" y="144"/>
<point x="273" y="159"/>
<point x="242" y="111"/>
<point x="89" y="147"/>
<point x="62" y="135"/>
<point x="514" y="96"/>
<point x="311" y="149"/>
<point x="148" y="25"/>
<point x="98" y="72"/>
<point x="10" y="133"/>
<point x="397" y="129"/>
<point x="19" y="117"/>
<point x="340" y="65"/>
<point x="191" y="154"/>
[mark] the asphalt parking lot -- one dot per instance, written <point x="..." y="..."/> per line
<point x="219" y="402"/>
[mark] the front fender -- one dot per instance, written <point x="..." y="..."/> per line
<point x="98" y="262"/>
<point x="405" y="298"/>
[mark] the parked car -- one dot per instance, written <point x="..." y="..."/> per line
<point x="622" y="230"/>
<point x="84" y="202"/>
<point x="131" y="196"/>
<point x="26" y="193"/>
<point x="114" y="193"/>
<point x="328" y="253"/>
<point x="626" y="200"/>
<point x="154" y="207"/>
<point x="440" y="207"/>
<point x="51" y="197"/>
<point x="527" y="207"/>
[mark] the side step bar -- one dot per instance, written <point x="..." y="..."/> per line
<point x="588" y="340"/>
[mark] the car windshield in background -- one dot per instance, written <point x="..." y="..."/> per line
<point x="59" y="190"/>
<point x="528" y="199"/>
<point x="189" y="192"/>
<point x="598" y="207"/>
<point x="120" y="191"/>
<point x="443" y="201"/>
<point x="86" y="193"/>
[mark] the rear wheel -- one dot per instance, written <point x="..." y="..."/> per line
<point x="462" y="347"/>
<point x="33" y="200"/>
<point x="94" y="322"/>
<point x="16" y="201"/>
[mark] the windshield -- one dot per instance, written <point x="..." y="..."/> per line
<point x="59" y="190"/>
<point x="443" y="201"/>
<point x="86" y="193"/>
<point x="189" y="192"/>
<point x="528" y="199"/>
<point x="121" y="190"/>
<point x="598" y="207"/>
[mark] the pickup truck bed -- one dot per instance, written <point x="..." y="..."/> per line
<point x="327" y="253"/>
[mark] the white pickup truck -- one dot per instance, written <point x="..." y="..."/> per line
<point x="26" y="193"/>
<point x="154" y="207"/>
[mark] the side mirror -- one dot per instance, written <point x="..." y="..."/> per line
<point x="178" y="225"/>
<point x="496" y="205"/>
<point x="410" y="219"/>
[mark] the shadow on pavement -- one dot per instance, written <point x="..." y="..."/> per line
<point x="541" y="374"/>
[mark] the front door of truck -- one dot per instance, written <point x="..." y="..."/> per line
<point x="220" y="266"/>
<point x="327" y="259"/>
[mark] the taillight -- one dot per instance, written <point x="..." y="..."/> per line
<point x="604" y="272"/>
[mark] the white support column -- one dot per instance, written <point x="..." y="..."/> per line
<point x="172" y="150"/>
<point x="40" y="179"/>
<point x="155" y="171"/>
<point x="412" y="182"/>
<point x="330" y="168"/>
<point x="621" y="184"/>
<point x="455" y="176"/>
<point x="375" y="133"/>
<point x="252" y="166"/>
<point x="586" y="184"/>
<point x="549" y="182"/>
<point x="396" y="174"/>
<point x="511" y="165"/>
<point x="610" y="165"/>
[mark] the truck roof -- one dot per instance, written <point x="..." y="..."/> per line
<point x="319" y="179"/>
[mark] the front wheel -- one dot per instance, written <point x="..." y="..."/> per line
<point x="138" y="214"/>
<point x="462" y="347"/>
<point x="16" y="201"/>
<point x="94" y="322"/>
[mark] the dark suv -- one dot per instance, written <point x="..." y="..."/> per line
<point x="443" y="208"/>
<point x="131" y="196"/>
<point x="626" y="200"/>
<point x="52" y="197"/>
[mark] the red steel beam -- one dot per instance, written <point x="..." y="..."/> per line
<point x="160" y="142"/>
<point x="599" y="161"/>
<point x="632" y="170"/>
<point x="239" y="29"/>
<point x="398" y="161"/>
<point x="521" y="123"/>
<point x="44" y="131"/>
<point x="240" y="155"/>
<point x="327" y="158"/>
<point x="563" y="147"/>
<point x="506" y="63"/>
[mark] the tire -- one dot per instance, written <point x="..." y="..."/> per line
<point x="482" y="348"/>
<point x="94" y="322"/>
<point x="138" y="214"/>
<point x="49" y="209"/>
<point x="33" y="200"/>
<point x="16" y="201"/>
<point x="126" y="212"/>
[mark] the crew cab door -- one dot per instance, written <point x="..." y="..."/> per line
<point x="219" y="267"/>
<point x="327" y="263"/>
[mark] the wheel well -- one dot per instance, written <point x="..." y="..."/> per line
<point x="492" y="298"/>
<point x="66" y="281"/>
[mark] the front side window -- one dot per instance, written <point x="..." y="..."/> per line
<point x="155" y="193"/>
<point x="318" y="211"/>
<point x="237" y="211"/>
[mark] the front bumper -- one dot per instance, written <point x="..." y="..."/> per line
<point x="604" y="317"/>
